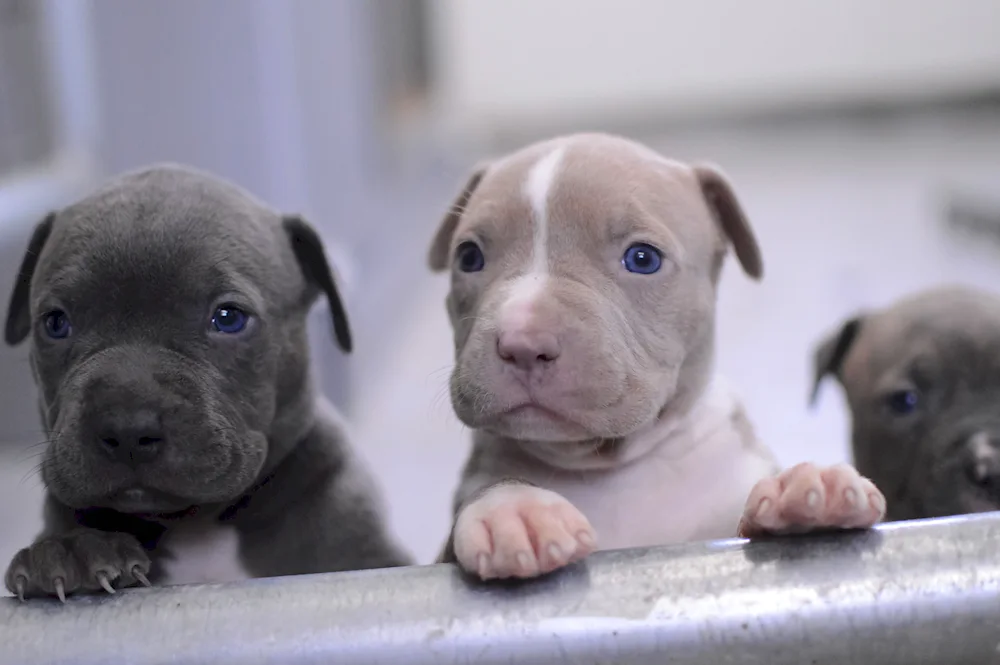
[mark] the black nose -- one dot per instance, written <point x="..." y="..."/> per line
<point x="132" y="438"/>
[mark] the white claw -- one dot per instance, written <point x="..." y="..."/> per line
<point x="138" y="574"/>
<point x="102" y="578"/>
<point x="60" y="586"/>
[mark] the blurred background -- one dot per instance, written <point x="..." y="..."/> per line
<point x="862" y="137"/>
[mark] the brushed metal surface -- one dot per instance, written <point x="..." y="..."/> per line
<point x="904" y="594"/>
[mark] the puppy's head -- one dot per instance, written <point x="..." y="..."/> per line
<point x="922" y="380"/>
<point x="583" y="280"/>
<point x="166" y="315"/>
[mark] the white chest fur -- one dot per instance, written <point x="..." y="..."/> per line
<point x="202" y="554"/>
<point x="691" y="486"/>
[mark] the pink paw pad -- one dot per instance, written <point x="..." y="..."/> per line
<point x="520" y="531"/>
<point x="810" y="498"/>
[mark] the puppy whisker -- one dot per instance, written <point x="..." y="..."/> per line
<point x="34" y="472"/>
<point x="38" y="454"/>
<point x="441" y="399"/>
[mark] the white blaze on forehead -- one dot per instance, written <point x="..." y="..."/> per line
<point x="516" y="310"/>
<point x="537" y="188"/>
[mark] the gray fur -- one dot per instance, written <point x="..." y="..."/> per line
<point x="139" y="267"/>
<point x="943" y="345"/>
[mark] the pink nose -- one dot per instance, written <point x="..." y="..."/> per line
<point x="528" y="349"/>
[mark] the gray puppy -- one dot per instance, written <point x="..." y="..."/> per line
<point x="922" y="378"/>
<point x="166" y="314"/>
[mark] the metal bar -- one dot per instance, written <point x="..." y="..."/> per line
<point x="907" y="593"/>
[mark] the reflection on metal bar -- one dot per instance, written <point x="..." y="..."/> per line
<point x="909" y="593"/>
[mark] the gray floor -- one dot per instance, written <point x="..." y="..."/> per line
<point x="848" y="215"/>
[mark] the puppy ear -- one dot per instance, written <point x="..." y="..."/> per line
<point x="439" y="254"/>
<point x="19" y="309"/>
<point x="829" y="355"/>
<point x="309" y="252"/>
<point x="729" y="213"/>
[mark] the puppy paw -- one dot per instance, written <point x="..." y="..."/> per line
<point x="520" y="531"/>
<point x="811" y="498"/>
<point x="82" y="561"/>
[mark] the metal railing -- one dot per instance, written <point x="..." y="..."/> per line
<point x="904" y="594"/>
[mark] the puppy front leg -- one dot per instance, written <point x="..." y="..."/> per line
<point x="810" y="498"/>
<point x="511" y="528"/>
<point x="317" y="513"/>
<point x="69" y="558"/>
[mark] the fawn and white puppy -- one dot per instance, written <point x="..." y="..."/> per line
<point x="583" y="291"/>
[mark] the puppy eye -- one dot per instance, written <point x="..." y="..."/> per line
<point x="903" y="402"/>
<point x="229" y="319"/>
<point x="57" y="324"/>
<point x="470" y="257"/>
<point x="642" y="258"/>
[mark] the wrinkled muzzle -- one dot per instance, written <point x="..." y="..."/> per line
<point x="552" y="360"/>
<point x="144" y="429"/>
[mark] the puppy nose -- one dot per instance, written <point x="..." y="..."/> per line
<point x="528" y="349"/>
<point x="133" y="438"/>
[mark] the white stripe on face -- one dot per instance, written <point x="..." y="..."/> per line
<point x="536" y="188"/>
<point x="515" y="311"/>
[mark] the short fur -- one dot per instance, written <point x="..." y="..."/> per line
<point x="621" y="413"/>
<point x="245" y="443"/>
<point x="942" y="347"/>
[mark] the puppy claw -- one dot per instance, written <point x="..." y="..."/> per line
<point x="19" y="585"/>
<point x="877" y="501"/>
<point x="483" y="566"/>
<point x="139" y="575"/>
<point x="102" y="579"/>
<point x="60" y="586"/>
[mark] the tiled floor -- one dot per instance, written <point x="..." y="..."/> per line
<point x="848" y="216"/>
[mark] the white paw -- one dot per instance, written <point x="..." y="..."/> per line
<point x="520" y="531"/>
<point x="808" y="498"/>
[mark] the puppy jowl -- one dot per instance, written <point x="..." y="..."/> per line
<point x="166" y="317"/>
<point x="583" y="290"/>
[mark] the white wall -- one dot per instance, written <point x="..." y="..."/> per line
<point x="510" y="62"/>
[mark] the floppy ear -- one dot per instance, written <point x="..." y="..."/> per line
<point x="726" y="208"/>
<point x="829" y="355"/>
<point x="19" y="309"/>
<point x="308" y="249"/>
<point x="439" y="254"/>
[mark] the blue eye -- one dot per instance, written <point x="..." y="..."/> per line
<point x="57" y="324"/>
<point x="642" y="258"/>
<point x="470" y="257"/>
<point x="903" y="402"/>
<point x="229" y="319"/>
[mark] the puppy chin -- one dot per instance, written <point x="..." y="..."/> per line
<point x="537" y="424"/>
<point x="152" y="491"/>
<point x="143" y="501"/>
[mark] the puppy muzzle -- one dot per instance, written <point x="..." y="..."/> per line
<point x="145" y="431"/>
